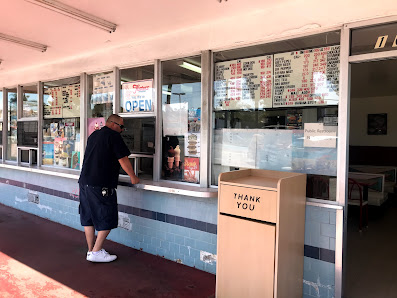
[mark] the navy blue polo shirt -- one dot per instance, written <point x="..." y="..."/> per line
<point x="101" y="166"/>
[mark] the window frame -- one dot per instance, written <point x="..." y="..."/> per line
<point x="212" y="110"/>
<point x="143" y="114"/>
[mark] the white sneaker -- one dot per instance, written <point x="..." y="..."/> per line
<point x="101" y="257"/>
<point x="88" y="254"/>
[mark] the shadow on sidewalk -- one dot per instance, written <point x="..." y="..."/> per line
<point x="58" y="252"/>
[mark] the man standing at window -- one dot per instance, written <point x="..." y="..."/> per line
<point x="104" y="154"/>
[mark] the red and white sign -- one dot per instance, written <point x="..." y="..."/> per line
<point x="137" y="96"/>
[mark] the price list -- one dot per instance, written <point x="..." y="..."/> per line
<point x="62" y="102"/>
<point x="244" y="84"/>
<point x="307" y="77"/>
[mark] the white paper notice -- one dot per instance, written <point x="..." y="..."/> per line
<point x="175" y="119"/>
<point x="318" y="135"/>
<point x="235" y="147"/>
<point x="102" y="88"/>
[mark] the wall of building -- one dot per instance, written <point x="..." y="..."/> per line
<point x="359" y="110"/>
<point x="179" y="228"/>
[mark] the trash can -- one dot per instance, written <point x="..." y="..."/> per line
<point x="261" y="226"/>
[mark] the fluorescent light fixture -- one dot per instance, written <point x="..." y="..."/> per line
<point x="23" y="42"/>
<point x="190" y="66"/>
<point x="75" y="14"/>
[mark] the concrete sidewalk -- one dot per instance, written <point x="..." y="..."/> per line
<point x="40" y="258"/>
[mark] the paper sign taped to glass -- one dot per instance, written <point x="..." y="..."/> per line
<point x="175" y="116"/>
<point x="318" y="135"/>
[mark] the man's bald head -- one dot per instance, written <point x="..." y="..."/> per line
<point x="113" y="118"/>
<point x="115" y="122"/>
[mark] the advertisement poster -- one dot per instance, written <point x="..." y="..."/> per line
<point x="192" y="169"/>
<point x="95" y="124"/>
<point x="192" y="146"/>
<point x="75" y="160"/>
<point x="175" y="119"/>
<point x="137" y="96"/>
<point x="103" y="89"/>
<point x="48" y="153"/>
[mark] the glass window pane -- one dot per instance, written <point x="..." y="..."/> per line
<point x="61" y="125"/>
<point x="181" y="107"/>
<point x="144" y="167"/>
<point x="136" y="89"/>
<point x="12" y="151"/>
<point x="25" y="156"/>
<point x="27" y="133"/>
<point x="101" y="94"/>
<point x="29" y="101"/>
<point x="1" y="133"/>
<point x="139" y="135"/>
<point x="278" y="111"/>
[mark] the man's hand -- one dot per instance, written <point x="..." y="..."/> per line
<point x="127" y="167"/>
<point x="134" y="180"/>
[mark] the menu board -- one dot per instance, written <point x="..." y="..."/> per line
<point x="244" y="84"/>
<point x="307" y="77"/>
<point x="62" y="102"/>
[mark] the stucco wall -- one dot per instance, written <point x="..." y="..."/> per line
<point x="274" y="20"/>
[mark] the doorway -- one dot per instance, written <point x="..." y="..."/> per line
<point x="371" y="262"/>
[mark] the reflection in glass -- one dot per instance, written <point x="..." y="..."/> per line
<point x="27" y="133"/>
<point x="139" y="135"/>
<point x="12" y="151"/>
<point x="29" y="101"/>
<point x="181" y="107"/>
<point x="101" y="94"/>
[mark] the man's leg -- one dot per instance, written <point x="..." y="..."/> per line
<point x="90" y="236"/>
<point x="100" y="239"/>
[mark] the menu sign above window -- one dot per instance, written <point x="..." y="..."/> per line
<point x="308" y="77"/>
<point x="244" y="84"/>
<point x="300" y="78"/>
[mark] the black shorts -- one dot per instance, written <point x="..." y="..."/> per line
<point x="98" y="207"/>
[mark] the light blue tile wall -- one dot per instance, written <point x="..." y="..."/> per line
<point x="320" y="231"/>
<point x="170" y="241"/>
<point x="167" y="240"/>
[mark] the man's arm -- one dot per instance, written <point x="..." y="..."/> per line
<point x="127" y="167"/>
